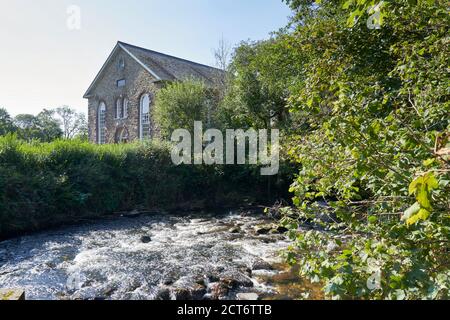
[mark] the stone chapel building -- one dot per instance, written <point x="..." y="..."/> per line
<point x="121" y="97"/>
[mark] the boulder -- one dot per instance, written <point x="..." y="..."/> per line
<point x="279" y="229"/>
<point x="261" y="265"/>
<point x="200" y="281"/>
<point x="146" y="239"/>
<point x="247" y="271"/>
<point x="180" y="294"/>
<point x="219" y="291"/>
<point x="263" y="229"/>
<point x="198" y="292"/>
<point x="235" y="230"/>
<point x="213" y="278"/>
<point x="163" y="294"/>
<point x="12" y="294"/>
<point x="247" y="296"/>
<point x="236" y="280"/>
<point x="168" y="281"/>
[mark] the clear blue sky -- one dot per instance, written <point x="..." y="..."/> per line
<point x="44" y="64"/>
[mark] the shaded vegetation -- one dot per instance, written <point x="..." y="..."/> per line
<point x="47" y="184"/>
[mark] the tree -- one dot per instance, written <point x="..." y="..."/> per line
<point x="82" y="131"/>
<point x="73" y="123"/>
<point x="222" y="54"/>
<point x="6" y="123"/>
<point x="180" y="104"/>
<point x="49" y="126"/>
<point x="373" y="102"/>
<point x="43" y="127"/>
<point x="261" y="77"/>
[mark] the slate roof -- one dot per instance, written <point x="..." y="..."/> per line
<point x="165" y="67"/>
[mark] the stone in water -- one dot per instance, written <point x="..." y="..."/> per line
<point x="247" y="296"/>
<point x="12" y="294"/>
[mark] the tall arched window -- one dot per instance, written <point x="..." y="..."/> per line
<point x="118" y="113"/>
<point x="125" y="108"/>
<point x="145" y="117"/>
<point x="101" y="119"/>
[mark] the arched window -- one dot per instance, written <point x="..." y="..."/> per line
<point x="101" y="120"/>
<point x="125" y="108"/>
<point x="118" y="113"/>
<point x="121" y="64"/>
<point x="145" y="117"/>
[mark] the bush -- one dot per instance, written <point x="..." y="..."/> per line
<point x="47" y="184"/>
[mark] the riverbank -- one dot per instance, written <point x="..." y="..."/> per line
<point x="45" y="185"/>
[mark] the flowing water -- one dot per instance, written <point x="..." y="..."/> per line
<point x="145" y="257"/>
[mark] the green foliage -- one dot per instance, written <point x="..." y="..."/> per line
<point x="6" y="123"/>
<point x="47" y="184"/>
<point x="261" y="75"/>
<point x="372" y="104"/>
<point x="180" y="104"/>
<point x="43" y="127"/>
<point x="47" y="126"/>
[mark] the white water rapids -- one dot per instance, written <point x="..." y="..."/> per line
<point x="109" y="259"/>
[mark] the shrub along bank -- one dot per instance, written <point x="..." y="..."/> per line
<point x="48" y="184"/>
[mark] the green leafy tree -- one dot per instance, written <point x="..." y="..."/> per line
<point x="181" y="103"/>
<point x="6" y="123"/>
<point x="261" y="78"/>
<point x="373" y="103"/>
<point x="43" y="127"/>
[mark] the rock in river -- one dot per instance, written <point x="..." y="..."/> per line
<point x="236" y="280"/>
<point x="181" y="294"/>
<point x="163" y="294"/>
<point x="263" y="229"/>
<point x="235" y="230"/>
<point x="247" y="296"/>
<point x="261" y="265"/>
<point x="219" y="291"/>
<point x="146" y="239"/>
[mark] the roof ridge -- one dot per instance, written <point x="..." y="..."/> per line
<point x="168" y="55"/>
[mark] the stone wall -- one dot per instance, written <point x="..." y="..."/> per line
<point x="138" y="82"/>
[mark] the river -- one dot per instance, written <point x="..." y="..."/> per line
<point x="148" y="257"/>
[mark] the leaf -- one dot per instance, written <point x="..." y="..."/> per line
<point x="347" y="4"/>
<point x="432" y="182"/>
<point x="422" y="187"/>
<point x="428" y="162"/>
<point x="347" y="253"/>
<point x="414" y="184"/>
<point x="423" y="214"/>
<point x="422" y="196"/>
